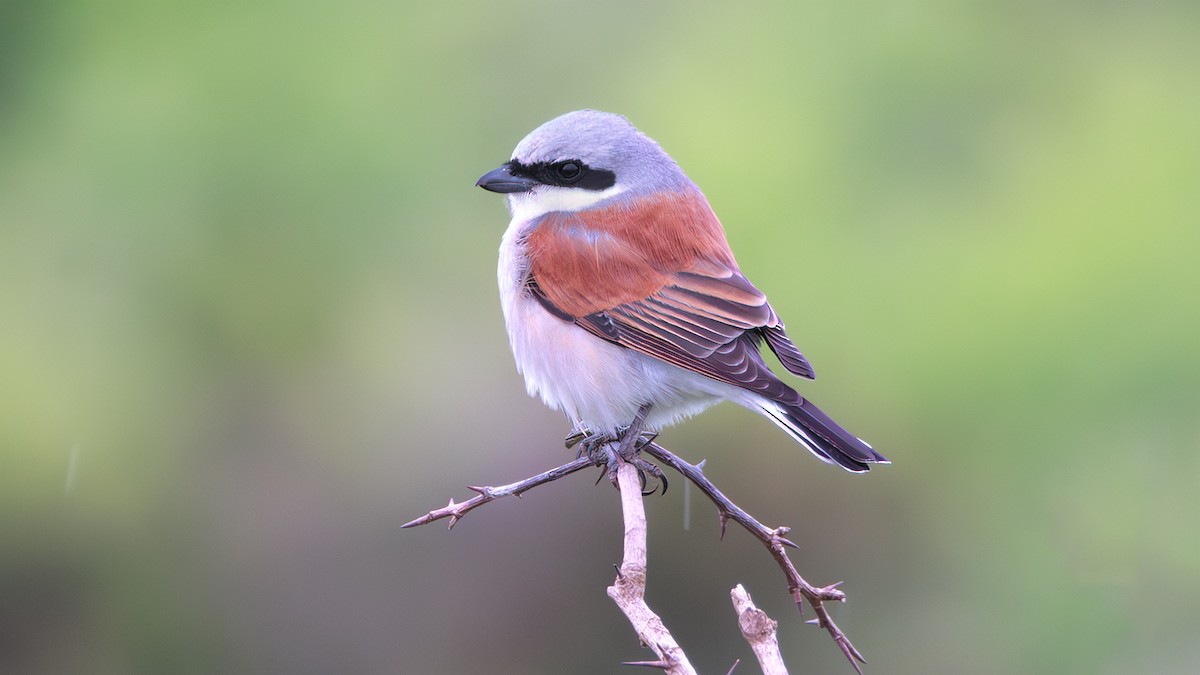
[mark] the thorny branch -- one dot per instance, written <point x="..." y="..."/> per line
<point x="773" y="539"/>
<point x="775" y="542"/>
<point x="487" y="493"/>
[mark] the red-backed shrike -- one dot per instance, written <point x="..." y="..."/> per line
<point x="620" y="291"/>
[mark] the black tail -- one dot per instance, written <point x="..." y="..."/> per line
<point x="822" y="436"/>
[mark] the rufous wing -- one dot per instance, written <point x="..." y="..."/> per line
<point x="656" y="275"/>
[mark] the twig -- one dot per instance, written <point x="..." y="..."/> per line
<point x="629" y="589"/>
<point x="487" y="493"/>
<point x="759" y="631"/>
<point x="775" y="542"/>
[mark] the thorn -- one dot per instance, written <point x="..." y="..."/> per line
<point x="724" y="518"/>
<point x="850" y="650"/>
<point x="700" y="465"/>
<point x="620" y="577"/>
<point x="815" y="622"/>
<point x="734" y="666"/>
<point x="832" y="592"/>
<point x="476" y="488"/>
<point x="453" y="521"/>
<point x="661" y="665"/>
<point x="852" y="655"/>
<point x="788" y="542"/>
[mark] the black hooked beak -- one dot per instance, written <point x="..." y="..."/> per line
<point x="502" y="180"/>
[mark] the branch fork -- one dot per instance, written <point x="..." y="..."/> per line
<point x="628" y="590"/>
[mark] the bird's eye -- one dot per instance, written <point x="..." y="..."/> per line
<point x="568" y="170"/>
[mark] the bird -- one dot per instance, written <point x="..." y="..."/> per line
<point x="622" y="298"/>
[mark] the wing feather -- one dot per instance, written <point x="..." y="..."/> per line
<point x="658" y="277"/>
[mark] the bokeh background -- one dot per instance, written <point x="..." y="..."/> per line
<point x="249" y="326"/>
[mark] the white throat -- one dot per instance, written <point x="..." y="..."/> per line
<point x="525" y="206"/>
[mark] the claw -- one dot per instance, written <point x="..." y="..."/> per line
<point x="577" y="434"/>
<point x="645" y="438"/>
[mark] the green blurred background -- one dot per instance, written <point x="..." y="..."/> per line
<point x="249" y="326"/>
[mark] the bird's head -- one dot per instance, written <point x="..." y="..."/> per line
<point x="581" y="160"/>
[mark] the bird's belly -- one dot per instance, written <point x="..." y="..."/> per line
<point x="596" y="383"/>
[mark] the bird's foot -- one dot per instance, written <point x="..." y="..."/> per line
<point x="578" y="434"/>
<point x="591" y="442"/>
<point x="609" y="449"/>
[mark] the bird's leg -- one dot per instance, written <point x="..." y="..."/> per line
<point x="633" y="439"/>
<point x="584" y="439"/>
